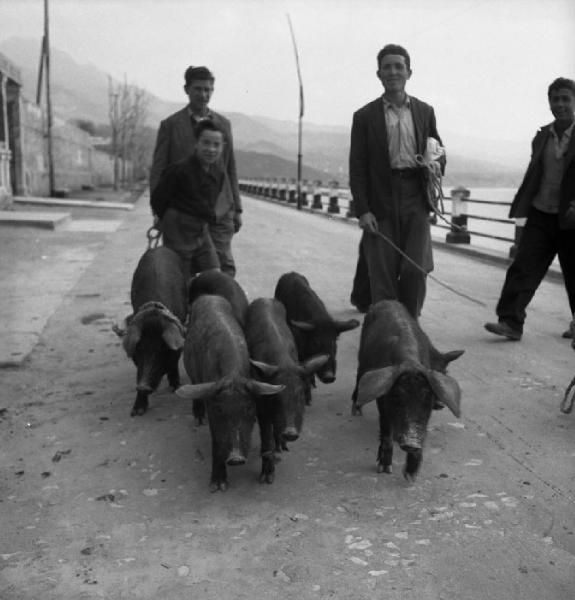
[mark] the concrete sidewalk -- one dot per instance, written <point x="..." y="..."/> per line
<point x="43" y="253"/>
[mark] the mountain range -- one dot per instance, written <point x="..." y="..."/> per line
<point x="264" y="147"/>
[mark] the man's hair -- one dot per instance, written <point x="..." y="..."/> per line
<point x="207" y="125"/>
<point x="195" y="73"/>
<point x="561" y="83"/>
<point x="393" y="49"/>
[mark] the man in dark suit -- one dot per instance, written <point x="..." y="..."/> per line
<point x="388" y="186"/>
<point x="546" y="198"/>
<point x="176" y="140"/>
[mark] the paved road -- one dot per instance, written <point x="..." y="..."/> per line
<point x="95" y="504"/>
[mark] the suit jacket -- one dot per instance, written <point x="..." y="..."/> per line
<point x="530" y="186"/>
<point x="369" y="161"/>
<point x="176" y="141"/>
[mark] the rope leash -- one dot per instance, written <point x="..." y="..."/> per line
<point x="419" y="268"/>
<point x="434" y="190"/>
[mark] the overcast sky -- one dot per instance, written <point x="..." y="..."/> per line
<point x="484" y="64"/>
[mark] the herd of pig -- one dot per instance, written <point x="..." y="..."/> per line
<point x="259" y="360"/>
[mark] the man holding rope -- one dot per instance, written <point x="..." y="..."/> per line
<point x="388" y="184"/>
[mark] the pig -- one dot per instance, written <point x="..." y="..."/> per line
<point x="220" y="284"/>
<point x="315" y="330"/>
<point x="271" y="342"/>
<point x="154" y="334"/>
<point x="400" y="368"/>
<point x="217" y="362"/>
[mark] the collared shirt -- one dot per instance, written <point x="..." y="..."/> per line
<point x="400" y="134"/>
<point x="549" y="194"/>
<point x="197" y="118"/>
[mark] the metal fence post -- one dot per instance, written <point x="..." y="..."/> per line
<point x="333" y="199"/>
<point x="459" y="233"/>
<point x="317" y="204"/>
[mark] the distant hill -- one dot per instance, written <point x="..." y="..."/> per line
<point x="264" y="145"/>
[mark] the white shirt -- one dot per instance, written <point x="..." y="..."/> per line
<point x="400" y="134"/>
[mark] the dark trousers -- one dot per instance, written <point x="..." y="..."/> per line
<point x="541" y="240"/>
<point x="361" y="291"/>
<point x="221" y="234"/>
<point x="391" y="276"/>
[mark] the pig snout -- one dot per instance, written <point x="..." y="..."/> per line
<point x="410" y="442"/>
<point x="235" y="458"/>
<point x="144" y="387"/>
<point x="290" y="434"/>
<point x="327" y="376"/>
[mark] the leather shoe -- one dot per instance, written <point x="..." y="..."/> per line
<point x="502" y="328"/>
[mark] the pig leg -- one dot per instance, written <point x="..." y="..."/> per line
<point x="385" y="450"/>
<point x="141" y="404"/>
<point x="265" y="421"/>
<point x="355" y="409"/>
<point x="412" y="463"/>
<point x="173" y="375"/>
<point x="219" y="478"/>
<point x="199" y="411"/>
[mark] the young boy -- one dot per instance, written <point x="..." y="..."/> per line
<point x="184" y="200"/>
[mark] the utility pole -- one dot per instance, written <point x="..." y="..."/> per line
<point x="45" y="68"/>
<point x="301" y="110"/>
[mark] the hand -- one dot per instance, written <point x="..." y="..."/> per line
<point x="570" y="215"/>
<point x="237" y="222"/>
<point x="368" y="222"/>
<point x="435" y="168"/>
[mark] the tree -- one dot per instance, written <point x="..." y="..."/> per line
<point x="127" y="109"/>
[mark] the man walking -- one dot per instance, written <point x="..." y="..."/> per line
<point x="388" y="187"/>
<point x="547" y="198"/>
<point x="177" y="140"/>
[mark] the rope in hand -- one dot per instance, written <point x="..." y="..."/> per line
<point x="434" y="189"/>
<point x="419" y="268"/>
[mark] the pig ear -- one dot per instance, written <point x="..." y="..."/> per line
<point x="263" y="389"/>
<point x="173" y="336"/>
<point x="196" y="391"/>
<point x="452" y="355"/>
<point x="265" y="369"/>
<point x="447" y="391"/>
<point x="303" y="325"/>
<point x="376" y="383"/>
<point x="131" y="339"/>
<point x="342" y="326"/>
<point x="309" y="367"/>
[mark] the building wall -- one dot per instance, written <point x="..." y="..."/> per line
<point x="76" y="162"/>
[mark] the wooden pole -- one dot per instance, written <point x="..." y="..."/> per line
<point x="301" y="111"/>
<point x="46" y="48"/>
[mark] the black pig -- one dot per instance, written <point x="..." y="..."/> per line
<point x="220" y="284"/>
<point x="271" y="342"/>
<point x="315" y="330"/>
<point x="154" y="333"/>
<point x="400" y="368"/>
<point x="217" y="362"/>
